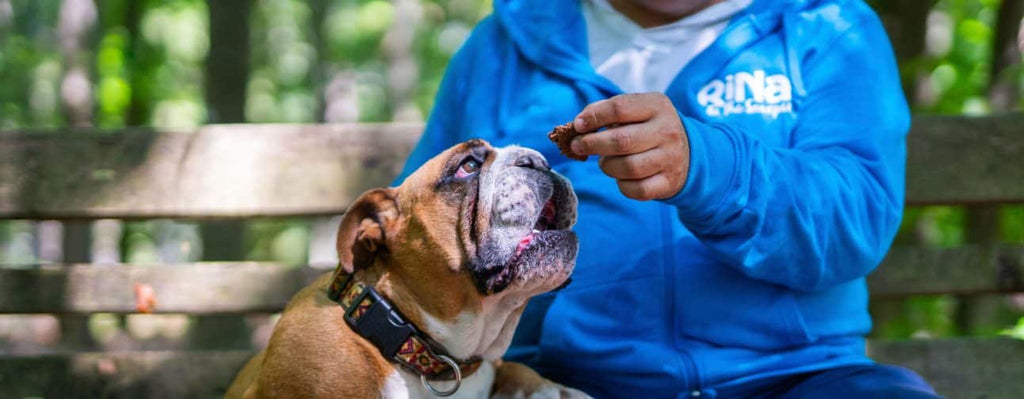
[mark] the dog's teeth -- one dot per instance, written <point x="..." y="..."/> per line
<point x="535" y="231"/>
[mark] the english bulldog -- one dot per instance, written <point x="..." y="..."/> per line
<point x="432" y="278"/>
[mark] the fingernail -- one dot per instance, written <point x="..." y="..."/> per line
<point x="577" y="147"/>
<point x="580" y="124"/>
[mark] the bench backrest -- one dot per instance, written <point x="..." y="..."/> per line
<point x="246" y="171"/>
<point x="258" y="171"/>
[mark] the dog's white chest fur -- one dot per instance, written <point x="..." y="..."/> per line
<point x="402" y="384"/>
<point x="486" y="334"/>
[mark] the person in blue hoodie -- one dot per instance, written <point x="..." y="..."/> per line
<point x="749" y="172"/>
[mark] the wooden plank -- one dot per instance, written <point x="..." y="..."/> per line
<point x="219" y="288"/>
<point x="967" y="270"/>
<point x="966" y="160"/>
<point x="219" y="171"/>
<point x="204" y="374"/>
<point x="960" y="368"/>
<point x="957" y="368"/>
<point x="204" y="288"/>
<point x="227" y="171"/>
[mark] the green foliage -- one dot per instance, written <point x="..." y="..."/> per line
<point x="284" y="62"/>
<point x="354" y="29"/>
<point x="178" y="32"/>
<point x="138" y="243"/>
<point x="926" y="316"/>
<point x="961" y="76"/>
<point x="156" y="241"/>
<point x="113" y="91"/>
<point x="1017" y="331"/>
<point x="1012" y="224"/>
<point x="29" y="67"/>
<point x="282" y="241"/>
<point x="16" y="244"/>
<point x="146" y="60"/>
<point x="937" y="226"/>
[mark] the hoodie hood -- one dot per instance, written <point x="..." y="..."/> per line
<point x="552" y="33"/>
<point x="549" y="34"/>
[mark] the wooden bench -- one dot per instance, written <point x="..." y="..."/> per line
<point x="265" y="171"/>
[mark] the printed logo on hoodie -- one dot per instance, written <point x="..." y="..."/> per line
<point x="747" y="93"/>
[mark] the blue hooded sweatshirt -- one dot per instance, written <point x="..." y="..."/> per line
<point x="796" y="124"/>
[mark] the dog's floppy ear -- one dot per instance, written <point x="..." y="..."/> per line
<point x="362" y="233"/>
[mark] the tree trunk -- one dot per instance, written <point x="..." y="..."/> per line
<point x="227" y="75"/>
<point x="318" y="76"/>
<point x="1006" y="53"/>
<point x="906" y="22"/>
<point x="76" y="21"/>
<point x="138" y="111"/>
<point x="227" y="64"/>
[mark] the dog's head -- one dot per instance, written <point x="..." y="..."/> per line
<point x="465" y="241"/>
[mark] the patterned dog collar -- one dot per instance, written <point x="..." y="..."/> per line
<point x="375" y="318"/>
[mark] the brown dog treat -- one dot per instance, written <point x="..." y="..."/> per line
<point x="562" y="136"/>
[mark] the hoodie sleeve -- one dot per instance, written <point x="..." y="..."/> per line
<point x="823" y="209"/>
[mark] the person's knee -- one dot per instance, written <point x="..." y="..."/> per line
<point x="880" y="381"/>
<point x="871" y="388"/>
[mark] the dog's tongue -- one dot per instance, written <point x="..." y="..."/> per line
<point x="525" y="242"/>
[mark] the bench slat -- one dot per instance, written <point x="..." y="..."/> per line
<point x="158" y="374"/>
<point x="970" y="269"/>
<point x="218" y="171"/>
<point x="957" y="368"/>
<point x="217" y="288"/>
<point x="204" y="288"/>
<point x="966" y="160"/>
<point x="960" y="368"/>
<point x="234" y="171"/>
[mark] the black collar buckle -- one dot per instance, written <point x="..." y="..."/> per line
<point x="379" y="322"/>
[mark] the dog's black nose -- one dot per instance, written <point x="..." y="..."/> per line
<point x="533" y="161"/>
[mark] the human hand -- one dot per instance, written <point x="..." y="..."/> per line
<point x="644" y="148"/>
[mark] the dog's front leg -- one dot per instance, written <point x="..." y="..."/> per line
<point x="516" y="381"/>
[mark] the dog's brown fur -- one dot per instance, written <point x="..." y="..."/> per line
<point x="305" y="352"/>
<point x="411" y="244"/>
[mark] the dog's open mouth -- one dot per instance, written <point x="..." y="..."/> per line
<point x="539" y="247"/>
<point x="534" y="247"/>
<point x="548" y="220"/>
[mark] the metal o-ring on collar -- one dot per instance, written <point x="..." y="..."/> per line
<point x="458" y="378"/>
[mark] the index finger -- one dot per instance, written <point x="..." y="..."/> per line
<point x="621" y="109"/>
<point x="619" y="140"/>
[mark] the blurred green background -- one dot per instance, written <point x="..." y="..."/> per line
<point x="116" y="63"/>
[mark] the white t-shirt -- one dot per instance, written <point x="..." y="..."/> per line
<point x="642" y="60"/>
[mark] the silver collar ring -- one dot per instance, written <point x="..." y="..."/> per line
<point x="458" y="378"/>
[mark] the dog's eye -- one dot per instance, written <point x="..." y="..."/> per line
<point x="468" y="168"/>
